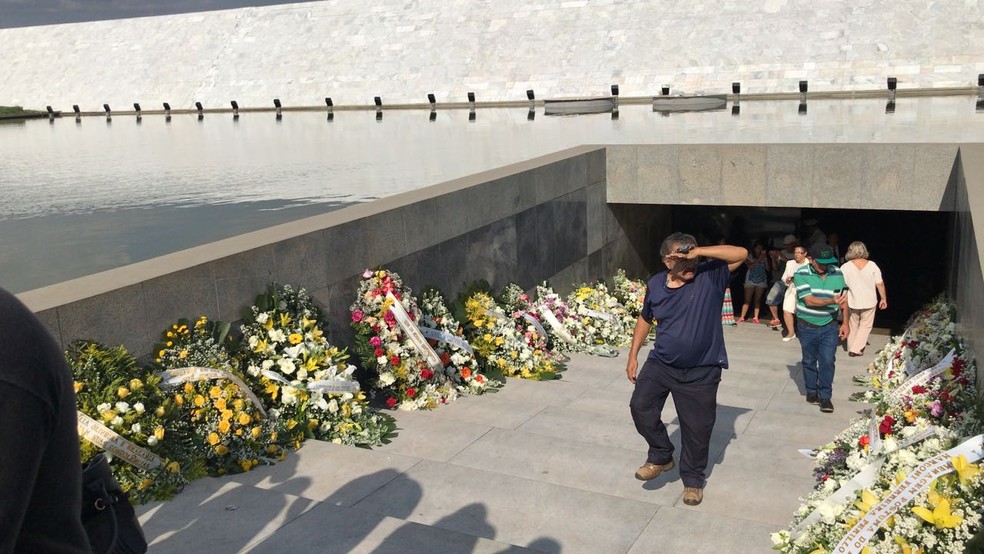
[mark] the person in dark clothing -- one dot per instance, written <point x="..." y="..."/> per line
<point x="688" y="355"/>
<point x="40" y="471"/>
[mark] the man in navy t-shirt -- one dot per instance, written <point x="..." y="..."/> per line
<point x="684" y="302"/>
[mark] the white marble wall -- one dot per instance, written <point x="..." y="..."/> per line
<point x="403" y="49"/>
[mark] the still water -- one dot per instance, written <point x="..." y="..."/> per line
<point x="78" y="198"/>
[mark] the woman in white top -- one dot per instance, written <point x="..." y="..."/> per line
<point x="863" y="278"/>
<point x="789" y="298"/>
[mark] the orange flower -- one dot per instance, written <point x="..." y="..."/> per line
<point x="465" y="373"/>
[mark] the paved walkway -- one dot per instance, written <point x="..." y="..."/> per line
<point x="537" y="467"/>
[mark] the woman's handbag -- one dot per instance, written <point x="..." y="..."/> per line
<point x="107" y="514"/>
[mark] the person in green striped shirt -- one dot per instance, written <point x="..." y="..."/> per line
<point x="821" y="301"/>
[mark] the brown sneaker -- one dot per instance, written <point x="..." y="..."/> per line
<point x="692" y="496"/>
<point x="651" y="471"/>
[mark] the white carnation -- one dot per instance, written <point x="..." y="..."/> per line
<point x="139" y="407"/>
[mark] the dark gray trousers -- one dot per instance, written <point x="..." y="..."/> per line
<point x="694" y="393"/>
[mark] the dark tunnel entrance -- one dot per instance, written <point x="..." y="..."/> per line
<point x="912" y="248"/>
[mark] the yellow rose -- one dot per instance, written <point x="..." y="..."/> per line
<point x="213" y="438"/>
<point x="226" y="415"/>
<point x="159" y="433"/>
<point x="220" y="404"/>
<point x="174" y="467"/>
<point x="245" y="464"/>
<point x="199" y="400"/>
<point x="178" y="399"/>
<point x="221" y="450"/>
<point x="238" y="404"/>
<point x="183" y="354"/>
<point x="189" y="388"/>
<point x="244" y="419"/>
<point x="224" y="426"/>
<point x="108" y="415"/>
<point x="159" y="412"/>
<point x="122" y="392"/>
<point x="215" y="391"/>
<point x="255" y="432"/>
<point x="145" y="484"/>
<point x="78" y="386"/>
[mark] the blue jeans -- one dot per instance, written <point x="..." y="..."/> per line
<point x="819" y="345"/>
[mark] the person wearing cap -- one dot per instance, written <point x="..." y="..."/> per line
<point x="687" y="358"/>
<point x="822" y="300"/>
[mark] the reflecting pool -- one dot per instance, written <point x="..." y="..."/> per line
<point x="78" y="198"/>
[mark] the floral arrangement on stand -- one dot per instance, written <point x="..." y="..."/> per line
<point x="303" y="380"/>
<point x="409" y="376"/>
<point x="923" y="427"/>
<point x="457" y="356"/>
<point x="234" y="432"/>
<point x="500" y="343"/>
<point x="606" y="322"/>
<point x="631" y="293"/>
<point x="127" y="399"/>
<point x="528" y="316"/>
<point x="566" y="331"/>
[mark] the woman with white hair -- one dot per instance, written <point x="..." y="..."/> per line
<point x="863" y="278"/>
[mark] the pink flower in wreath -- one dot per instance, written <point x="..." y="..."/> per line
<point x="375" y="342"/>
<point x="367" y="274"/>
<point x="936" y="408"/>
<point x="357" y="315"/>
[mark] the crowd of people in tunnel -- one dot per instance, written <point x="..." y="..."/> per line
<point x="827" y="297"/>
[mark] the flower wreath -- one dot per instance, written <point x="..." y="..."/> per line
<point x="399" y="368"/>
<point x="606" y="321"/>
<point x="631" y="293"/>
<point x="234" y="432"/>
<point x="301" y="378"/>
<point x="910" y="424"/>
<point x="501" y="344"/>
<point x="458" y="357"/>
<point x="113" y="390"/>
